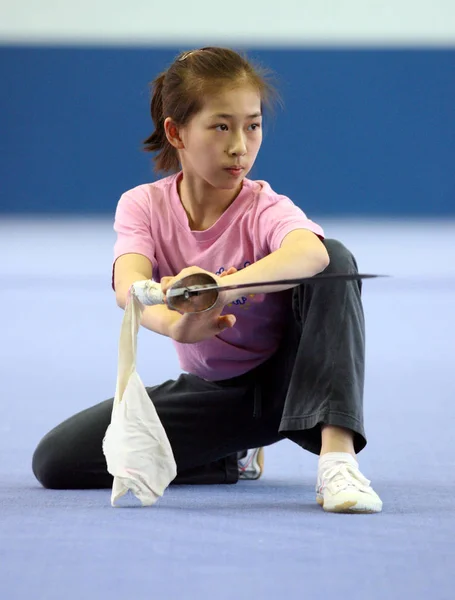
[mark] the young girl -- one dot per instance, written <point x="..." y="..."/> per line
<point x="263" y="367"/>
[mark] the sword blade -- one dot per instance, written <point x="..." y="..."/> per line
<point x="198" y="289"/>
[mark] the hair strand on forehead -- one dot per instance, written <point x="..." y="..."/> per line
<point x="178" y="93"/>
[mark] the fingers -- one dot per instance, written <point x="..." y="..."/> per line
<point x="166" y="283"/>
<point x="226" y="322"/>
<point x="230" y="271"/>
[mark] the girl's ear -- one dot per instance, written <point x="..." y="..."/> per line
<point x="173" y="134"/>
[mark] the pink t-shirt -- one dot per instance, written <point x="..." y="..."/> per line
<point x="150" y="220"/>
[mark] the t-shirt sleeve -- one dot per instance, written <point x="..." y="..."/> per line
<point x="279" y="219"/>
<point x="133" y="227"/>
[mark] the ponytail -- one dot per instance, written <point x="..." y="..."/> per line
<point x="166" y="158"/>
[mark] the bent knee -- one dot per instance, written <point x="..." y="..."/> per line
<point x="341" y="259"/>
<point x="52" y="463"/>
<point x="45" y="465"/>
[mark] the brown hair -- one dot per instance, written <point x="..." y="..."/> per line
<point x="178" y="93"/>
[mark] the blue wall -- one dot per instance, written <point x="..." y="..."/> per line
<point x="364" y="132"/>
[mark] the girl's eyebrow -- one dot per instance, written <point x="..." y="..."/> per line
<point x="226" y="116"/>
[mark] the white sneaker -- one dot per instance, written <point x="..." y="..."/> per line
<point x="251" y="463"/>
<point x="342" y="488"/>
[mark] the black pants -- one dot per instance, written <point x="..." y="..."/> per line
<point x="316" y="377"/>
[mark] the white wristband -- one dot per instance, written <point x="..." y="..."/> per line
<point x="148" y="292"/>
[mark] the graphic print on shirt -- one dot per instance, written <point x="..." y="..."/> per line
<point x="242" y="302"/>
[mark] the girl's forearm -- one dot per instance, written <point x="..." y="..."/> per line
<point x="288" y="262"/>
<point x="159" y="319"/>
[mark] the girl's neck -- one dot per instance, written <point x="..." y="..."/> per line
<point x="204" y="204"/>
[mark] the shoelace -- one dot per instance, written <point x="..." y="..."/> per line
<point x="343" y="475"/>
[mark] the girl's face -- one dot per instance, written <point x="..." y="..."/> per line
<point x="221" y="142"/>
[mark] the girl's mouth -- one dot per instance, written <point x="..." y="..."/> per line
<point x="235" y="171"/>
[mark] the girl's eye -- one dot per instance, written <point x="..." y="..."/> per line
<point x="224" y="127"/>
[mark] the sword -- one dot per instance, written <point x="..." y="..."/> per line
<point x="199" y="292"/>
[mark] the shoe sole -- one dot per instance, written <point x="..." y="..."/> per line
<point x="348" y="507"/>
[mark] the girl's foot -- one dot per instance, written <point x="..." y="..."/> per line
<point x="341" y="487"/>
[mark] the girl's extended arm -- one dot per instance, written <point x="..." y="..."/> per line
<point x="302" y="254"/>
